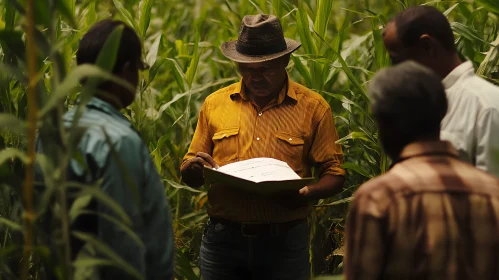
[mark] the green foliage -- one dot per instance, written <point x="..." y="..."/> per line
<point x="341" y="49"/>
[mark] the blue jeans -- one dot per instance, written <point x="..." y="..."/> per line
<point x="227" y="255"/>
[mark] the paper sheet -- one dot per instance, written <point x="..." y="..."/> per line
<point x="260" y="170"/>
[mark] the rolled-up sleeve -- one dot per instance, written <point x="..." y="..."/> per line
<point x="201" y="141"/>
<point x="326" y="155"/>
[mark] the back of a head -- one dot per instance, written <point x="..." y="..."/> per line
<point x="93" y="41"/>
<point x="408" y="101"/>
<point x="416" y="21"/>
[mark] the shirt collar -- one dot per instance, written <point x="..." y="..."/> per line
<point x="427" y="148"/>
<point x="105" y="107"/>
<point x="457" y="73"/>
<point x="286" y="91"/>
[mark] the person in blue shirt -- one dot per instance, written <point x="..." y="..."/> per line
<point x="115" y="156"/>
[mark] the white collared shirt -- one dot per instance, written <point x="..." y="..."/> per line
<point x="472" y="120"/>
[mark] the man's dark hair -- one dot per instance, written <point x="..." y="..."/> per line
<point x="410" y="98"/>
<point x="91" y="44"/>
<point x="416" y="21"/>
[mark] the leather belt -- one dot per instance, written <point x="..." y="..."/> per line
<point x="249" y="229"/>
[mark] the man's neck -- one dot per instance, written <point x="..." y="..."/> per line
<point x="422" y="139"/>
<point x="453" y="62"/>
<point x="111" y="99"/>
<point x="263" y="101"/>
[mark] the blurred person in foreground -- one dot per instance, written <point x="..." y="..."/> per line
<point x="423" y="34"/>
<point x="251" y="236"/>
<point x="431" y="216"/>
<point x="114" y="154"/>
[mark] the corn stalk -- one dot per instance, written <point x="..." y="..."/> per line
<point x="29" y="215"/>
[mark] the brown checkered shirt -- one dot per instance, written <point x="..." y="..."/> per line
<point x="431" y="216"/>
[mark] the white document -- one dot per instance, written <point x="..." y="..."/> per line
<point x="260" y="170"/>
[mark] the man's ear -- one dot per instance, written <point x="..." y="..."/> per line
<point x="285" y="59"/>
<point x="427" y="44"/>
<point x="127" y="67"/>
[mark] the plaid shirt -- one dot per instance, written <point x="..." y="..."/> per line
<point x="431" y="216"/>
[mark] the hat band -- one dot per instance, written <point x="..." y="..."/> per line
<point x="260" y="49"/>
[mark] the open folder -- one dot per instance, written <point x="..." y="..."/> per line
<point x="257" y="175"/>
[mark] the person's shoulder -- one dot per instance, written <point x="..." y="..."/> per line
<point x="309" y="95"/>
<point x="375" y="196"/>
<point x="379" y="185"/>
<point x="478" y="179"/>
<point x="100" y="131"/>
<point x="484" y="91"/>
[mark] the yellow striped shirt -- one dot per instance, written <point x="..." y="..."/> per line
<point x="297" y="127"/>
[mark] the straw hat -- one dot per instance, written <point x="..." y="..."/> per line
<point x="260" y="39"/>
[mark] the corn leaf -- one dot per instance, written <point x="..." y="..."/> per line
<point x="10" y="224"/>
<point x="303" y="29"/>
<point x="322" y="16"/>
<point x="302" y="70"/>
<point x="145" y="16"/>
<point x="178" y="74"/>
<point x="103" y="248"/>
<point x="74" y="79"/>
<point x="128" y="18"/>
<point x="491" y="60"/>
<point x="103" y="198"/>
<point x="11" y="153"/>
<point x="466" y="31"/>
<point x="191" y="71"/>
<point x="181" y="187"/>
<point x="67" y="10"/>
<point x="123" y="227"/>
<point x="490" y="5"/>
<point x="10" y="15"/>
<point x="152" y="55"/>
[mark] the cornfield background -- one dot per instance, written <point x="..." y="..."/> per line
<point x="341" y="49"/>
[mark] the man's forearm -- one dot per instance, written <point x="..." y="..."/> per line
<point x="327" y="186"/>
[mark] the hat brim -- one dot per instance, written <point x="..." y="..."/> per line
<point x="229" y="51"/>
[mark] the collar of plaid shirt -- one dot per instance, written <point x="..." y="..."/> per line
<point x="426" y="148"/>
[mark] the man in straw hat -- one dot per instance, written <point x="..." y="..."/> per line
<point x="250" y="236"/>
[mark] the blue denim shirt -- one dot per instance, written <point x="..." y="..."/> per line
<point x="114" y="153"/>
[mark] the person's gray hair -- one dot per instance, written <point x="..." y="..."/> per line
<point x="410" y="97"/>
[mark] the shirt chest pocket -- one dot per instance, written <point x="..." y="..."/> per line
<point x="289" y="148"/>
<point x="226" y="145"/>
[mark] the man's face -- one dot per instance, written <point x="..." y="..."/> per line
<point x="264" y="78"/>
<point x="400" y="53"/>
<point x="130" y="74"/>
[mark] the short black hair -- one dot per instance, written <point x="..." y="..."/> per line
<point x="416" y="21"/>
<point x="410" y="98"/>
<point x="93" y="41"/>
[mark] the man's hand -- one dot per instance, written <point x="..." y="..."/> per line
<point x="304" y="191"/>
<point x="327" y="186"/>
<point x="192" y="170"/>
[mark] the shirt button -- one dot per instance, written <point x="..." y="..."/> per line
<point x="260" y="114"/>
<point x="257" y="138"/>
